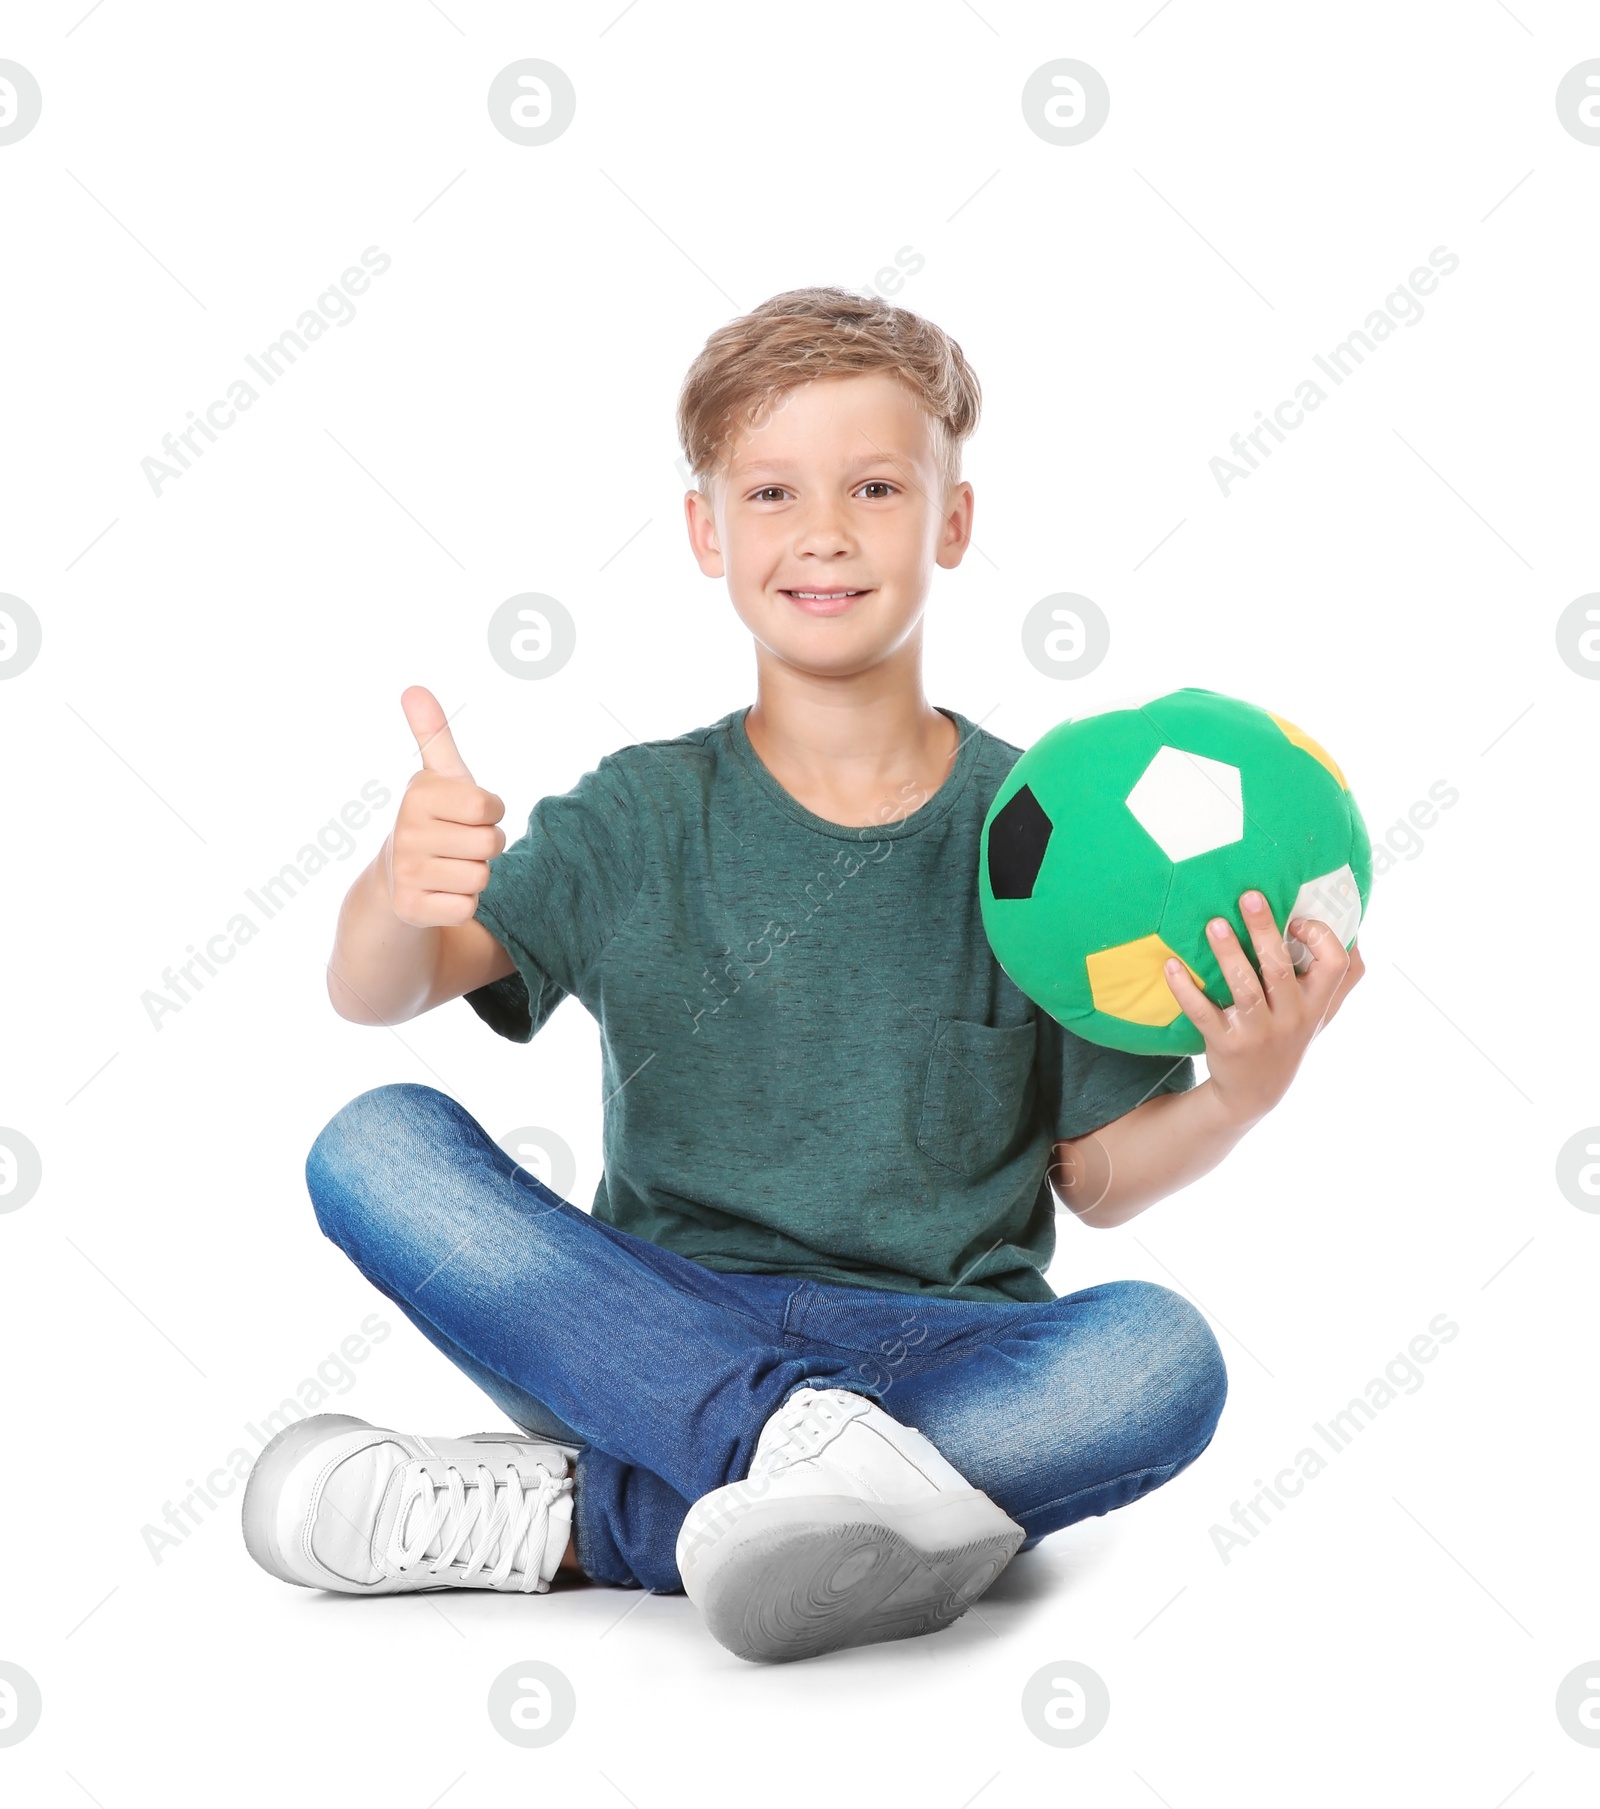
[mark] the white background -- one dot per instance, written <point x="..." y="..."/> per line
<point x="221" y="671"/>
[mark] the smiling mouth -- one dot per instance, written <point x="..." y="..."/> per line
<point x="823" y="602"/>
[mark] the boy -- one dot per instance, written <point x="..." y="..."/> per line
<point x="801" y="1359"/>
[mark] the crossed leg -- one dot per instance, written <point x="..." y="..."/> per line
<point x="664" y="1371"/>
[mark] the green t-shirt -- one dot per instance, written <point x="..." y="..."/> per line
<point x="812" y="1063"/>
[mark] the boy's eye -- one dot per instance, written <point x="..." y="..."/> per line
<point x="877" y="483"/>
<point x="769" y="492"/>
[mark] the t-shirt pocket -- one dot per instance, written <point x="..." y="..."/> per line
<point x="979" y="1093"/>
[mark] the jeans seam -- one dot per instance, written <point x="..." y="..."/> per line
<point x="788" y="1331"/>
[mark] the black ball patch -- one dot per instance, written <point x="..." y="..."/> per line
<point x="1018" y="837"/>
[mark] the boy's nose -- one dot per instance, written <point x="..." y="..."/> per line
<point x="823" y="530"/>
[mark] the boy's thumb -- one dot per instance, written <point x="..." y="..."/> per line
<point x="434" y="741"/>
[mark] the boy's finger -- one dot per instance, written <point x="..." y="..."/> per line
<point x="1341" y="992"/>
<point x="434" y="741"/>
<point x="1196" y="1006"/>
<point x="1329" y="960"/>
<point x="1277" y="970"/>
<point x="1243" y="980"/>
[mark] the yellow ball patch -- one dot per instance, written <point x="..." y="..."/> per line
<point x="1129" y="982"/>
<point x="1314" y="748"/>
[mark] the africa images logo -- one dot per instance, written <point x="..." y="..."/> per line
<point x="335" y="307"/>
<point x="1402" y="306"/>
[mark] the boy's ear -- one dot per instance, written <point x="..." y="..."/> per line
<point x="957" y="534"/>
<point x="701" y="521"/>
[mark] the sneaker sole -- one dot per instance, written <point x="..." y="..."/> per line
<point x="280" y="1456"/>
<point x="800" y="1578"/>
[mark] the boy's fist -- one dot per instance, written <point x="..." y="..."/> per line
<point x="437" y="855"/>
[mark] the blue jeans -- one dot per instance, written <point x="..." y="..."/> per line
<point x="664" y="1370"/>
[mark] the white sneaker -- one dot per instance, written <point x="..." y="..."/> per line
<point x="849" y="1528"/>
<point x="334" y="1503"/>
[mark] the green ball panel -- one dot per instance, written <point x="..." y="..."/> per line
<point x="1360" y="853"/>
<point x="1177" y="1038"/>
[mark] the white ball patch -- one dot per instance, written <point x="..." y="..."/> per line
<point x="1188" y="804"/>
<point x="1331" y="898"/>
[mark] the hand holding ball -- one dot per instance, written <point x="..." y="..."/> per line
<point x="1120" y="834"/>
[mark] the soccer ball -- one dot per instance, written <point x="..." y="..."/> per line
<point x="1120" y="834"/>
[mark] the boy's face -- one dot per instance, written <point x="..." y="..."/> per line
<point x="827" y="520"/>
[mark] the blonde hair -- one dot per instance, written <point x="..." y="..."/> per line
<point x="804" y="334"/>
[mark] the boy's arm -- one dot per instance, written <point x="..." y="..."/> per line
<point x="1139" y="1158"/>
<point x="384" y="970"/>
<point x="407" y="938"/>
<point x="1253" y="1048"/>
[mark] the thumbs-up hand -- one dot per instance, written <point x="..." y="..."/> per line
<point x="445" y="832"/>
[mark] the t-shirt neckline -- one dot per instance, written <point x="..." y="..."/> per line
<point x="938" y="806"/>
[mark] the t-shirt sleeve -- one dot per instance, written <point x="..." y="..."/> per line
<point x="1083" y="1086"/>
<point x="557" y="896"/>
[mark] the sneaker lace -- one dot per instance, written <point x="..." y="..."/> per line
<point x="806" y="1423"/>
<point x="468" y="1517"/>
